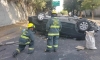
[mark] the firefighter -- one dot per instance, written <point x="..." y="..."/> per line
<point x="53" y="27"/>
<point x="26" y="38"/>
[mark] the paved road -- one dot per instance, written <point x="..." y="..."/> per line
<point x="66" y="50"/>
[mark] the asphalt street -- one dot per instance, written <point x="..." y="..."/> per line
<point x="66" y="50"/>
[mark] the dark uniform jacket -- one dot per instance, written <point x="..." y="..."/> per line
<point x="26" y="37"/>
<point x="53" y="26"/>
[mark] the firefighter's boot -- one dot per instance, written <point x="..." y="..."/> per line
<point x="30" y="51"/>
<point x="15" y="53"/>
<point x="47" y="50"/>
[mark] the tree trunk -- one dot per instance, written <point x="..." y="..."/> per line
<point x="73" y="12"/>
<point x="68" y="13"/>
<point x="85" y="14"/>
<point x="77" y="13"/>
<point x="80" y="13"/>
<point x="92" y="14"/>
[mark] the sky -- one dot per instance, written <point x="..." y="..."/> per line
<point x="60" y="8"/>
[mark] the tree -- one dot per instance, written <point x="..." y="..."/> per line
<point x="71" y="5"/>
<point x="49" y="4"/>
<point x="90" y="4"/>
<point x="33" y="5"/>
<point x="37" y="5"/>
<point x="79" y="8"/>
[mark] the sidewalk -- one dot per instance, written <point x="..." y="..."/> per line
<point x="96" y="19"/>
<point x="7" y="31"/>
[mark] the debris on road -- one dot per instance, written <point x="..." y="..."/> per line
<point x="5" y="57"/>
<point x="20" y="28"/>
<point x="2" y="49"/>
<point x="1" y="44"/>
<point x="46" y="39"/>
<point x="8" y="43"/>
<point x="7" y="37"/>
<point x="80" y="47"/>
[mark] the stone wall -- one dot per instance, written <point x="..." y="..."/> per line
<point x="9" y="14"/>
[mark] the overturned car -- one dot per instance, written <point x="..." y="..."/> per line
<point x="73" y="27"/>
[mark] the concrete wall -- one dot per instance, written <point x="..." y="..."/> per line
<point x="8" y="13"/>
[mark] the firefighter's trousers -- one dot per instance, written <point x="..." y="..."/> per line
<point x="21" y="47"/>
<point x="52" y="42"/>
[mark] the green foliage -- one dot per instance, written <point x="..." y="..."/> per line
<point x="37" y="5"/>
<point x="90" y="4"/>
<point x="81" y="4"/>
<point x="70" y="5"/>
<point x="49" y="4"/>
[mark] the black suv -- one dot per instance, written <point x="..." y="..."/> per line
<point x="73" y="27"/>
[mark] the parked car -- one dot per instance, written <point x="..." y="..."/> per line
<point x="73" y="27"/>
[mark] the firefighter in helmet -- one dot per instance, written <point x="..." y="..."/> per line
<point x="53" y="27"/>
<point x="26" y="38"/>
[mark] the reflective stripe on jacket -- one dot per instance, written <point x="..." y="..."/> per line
<point x="53" y="26"/>
<point x="53" y="34"/>
<point x="26" y="37"/>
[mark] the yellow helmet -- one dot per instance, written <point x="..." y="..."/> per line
<point x="30" y="25"/>
<point x="54" y="11"/>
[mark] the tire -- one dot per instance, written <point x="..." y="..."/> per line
<point x="83" y="25"/>
<point x="41" y="16"/>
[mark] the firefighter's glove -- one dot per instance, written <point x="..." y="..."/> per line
<point x="15" y="53"/>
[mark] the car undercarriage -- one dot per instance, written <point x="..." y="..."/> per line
<point x="72" y="27"/>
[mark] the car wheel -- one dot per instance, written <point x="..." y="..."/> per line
<point x="41" y="16"/>
<point x="83" y="25"/>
